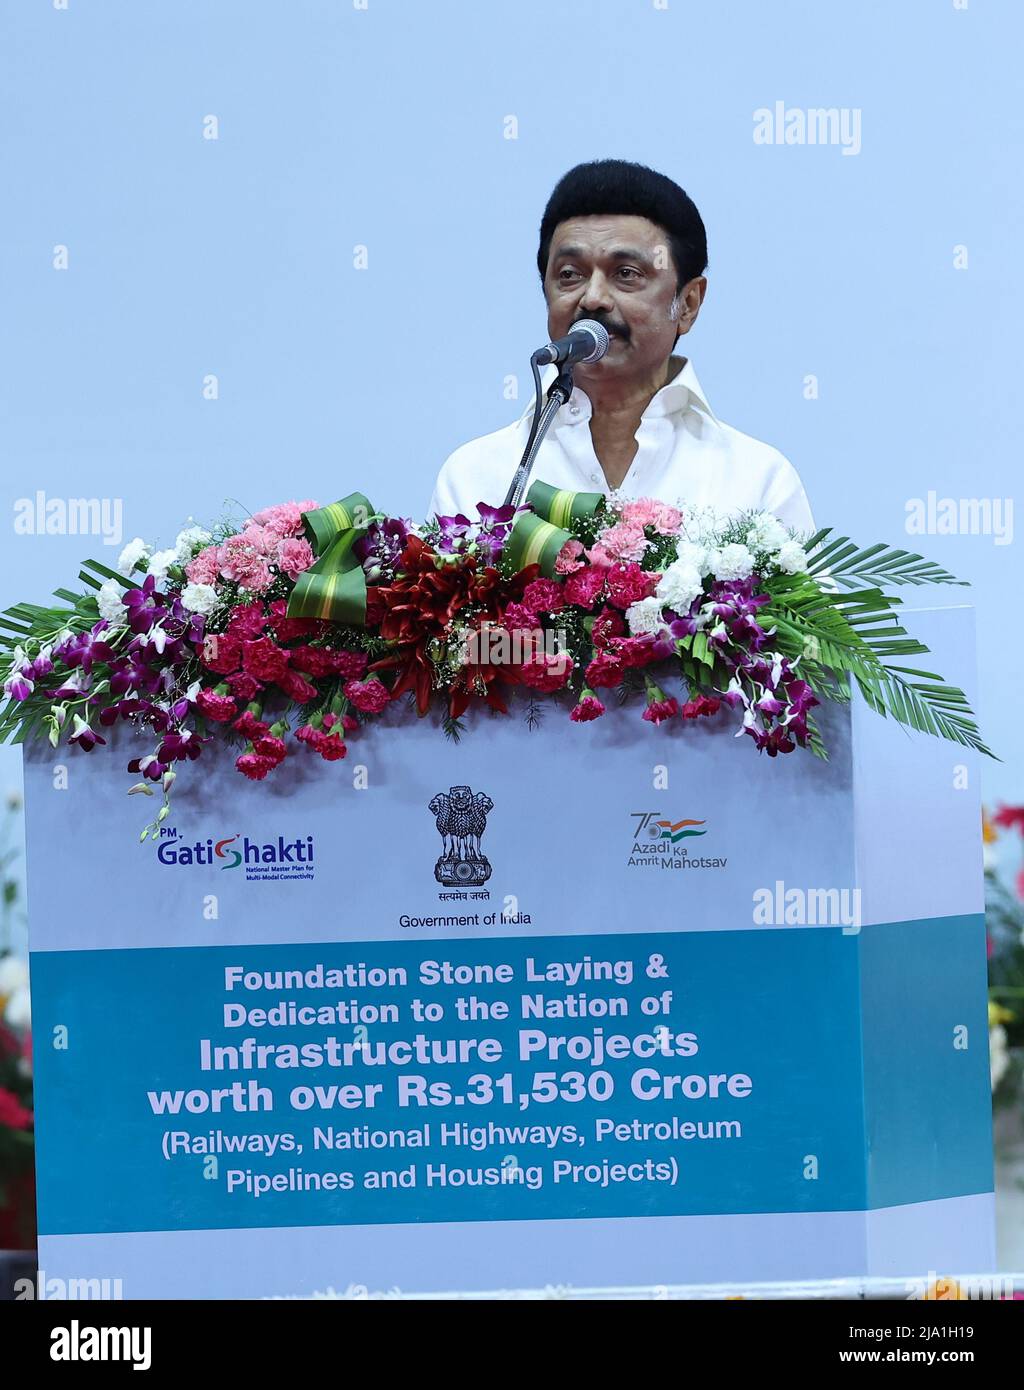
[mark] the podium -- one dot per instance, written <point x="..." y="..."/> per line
<point x="553" y="1005"/>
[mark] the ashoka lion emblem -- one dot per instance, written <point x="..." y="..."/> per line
<point x="461" y="819"/>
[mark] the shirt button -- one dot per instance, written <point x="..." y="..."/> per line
<point x="593" y="477"/>
<point x="574" y="410"/>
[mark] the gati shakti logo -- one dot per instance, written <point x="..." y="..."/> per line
<point x="656" y="841"/>
<point x="262" y="861"/>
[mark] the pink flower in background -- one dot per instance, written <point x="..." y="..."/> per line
<point x="284" y="519"/>
<point x="544" y="596"/>
<point x="13" y="1114"/>
<point x="619" y="542"/>
<point x="645" y="511"/>
<point x="519" y="616"/>
<point x="263" y="659"/>
<point x="245" y="564"/>
<point x="294" y="557"/>
<point x="570" y="557"/>
<point x="546" y="672"/>
<point x="204" y="568"/>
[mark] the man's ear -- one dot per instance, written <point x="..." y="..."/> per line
<point x="691" y="297"/>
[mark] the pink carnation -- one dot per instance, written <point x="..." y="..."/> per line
<point x="519" y="617"/>
<point x="269" y="746"/>
<point x="294" y="557"/>
<point x="248" y="725"/>
<point x="645" y="511"/>
<point x="349" y="665"/>
<point x="330" y="746"/>
<point x="570" y="557"/>
<point x="619" y="542"/>
<point x="285" y="519"/>
<point x="369" y="696"/>
<point x="244" y="564"/>
<point x="204" y="568"/>
<point x="584" y="587"/>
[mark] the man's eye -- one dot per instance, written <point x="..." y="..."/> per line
<point x="630" y="271"/>
<point x="565" y="272"/>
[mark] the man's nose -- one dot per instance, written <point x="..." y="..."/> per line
<point x="597" y="294"/>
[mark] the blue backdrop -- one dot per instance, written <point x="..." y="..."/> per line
<point x="378" y="176"/>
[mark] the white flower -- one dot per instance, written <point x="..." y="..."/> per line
<point x="187" y="541"/>
<point x="645" y="616"/>
<point x="766" y="533"/>
<point x="160" y="563"/>
<point x="679" y="586"/>
<point x="998" y="1056"/>
<point x="792" y="558"/>
<point x="13" y="974"/>
<point x="111" y="602"/>
<point x="199" y="598"/>
<point x="19" y="1008"/>
<point x="732" y="562"/>
<point x="694" y="555"/>
<point x="131" y="555"/>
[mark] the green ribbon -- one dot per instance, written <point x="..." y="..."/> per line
<point x="335" y="586"/>
<point x="539" y="535"/>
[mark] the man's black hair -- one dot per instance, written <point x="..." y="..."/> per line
<point x="621" y="188"/>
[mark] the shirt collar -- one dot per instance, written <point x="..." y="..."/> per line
<point x="681" y="393"/>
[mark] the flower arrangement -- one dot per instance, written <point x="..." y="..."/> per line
<point x="17" y="1151"/>
<point x="1004" y="924"/>
<point x="294" y="628"/>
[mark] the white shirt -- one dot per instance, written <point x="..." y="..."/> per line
<point x="685" y="454"/>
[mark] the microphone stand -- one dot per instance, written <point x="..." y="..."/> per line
<point x="558" y="393"/>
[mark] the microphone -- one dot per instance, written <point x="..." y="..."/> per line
<point x="587" y="342"/>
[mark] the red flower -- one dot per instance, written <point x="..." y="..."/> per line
<point x="545" y="672"/>
<point x="607" y="624"/>
<point x="222" y="653"/>
<point x="247" y="621"/>
<point x="349" y="665"/>
<point x="585" y="586"/>
<point x="700" y="706"/>
<point x="369" y="696"/>
<point x="1010" y="817"/>
<point x="285" y="628"/>
<point x="249" y="725"/>
<point x="263" y="659"/>
<point x="253" y="766"/>
<point x="315" y="661"/>
<point x="296" y="687"/>
<point x="589" y="707"/>
<point x="244" y="687"/>
<point x="659" y="710"/>
<point x="605" y="670"/>
<point x="423" y="603"/>
<point x="267" y="746"/>
<point x="220" y="708"/>
<point x="330" y="747"/>
<point x="544" y="596"/>
<point x="628" y="583"/>
<point x="13" y="1114"/>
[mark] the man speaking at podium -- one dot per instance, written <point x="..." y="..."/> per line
<point x="625" y="246"/>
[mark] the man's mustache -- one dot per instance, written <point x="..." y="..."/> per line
<point x="618" y="329"/>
